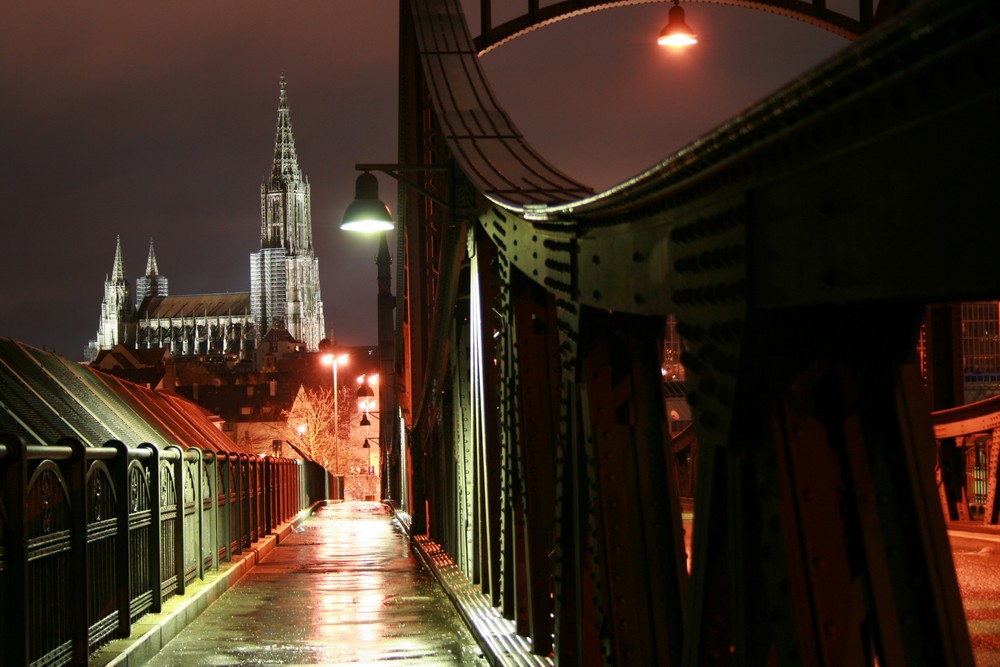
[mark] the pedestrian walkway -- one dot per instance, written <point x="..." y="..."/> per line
<point x="344" y="590"/>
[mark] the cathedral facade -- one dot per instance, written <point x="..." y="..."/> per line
<point x="284" y="281"/>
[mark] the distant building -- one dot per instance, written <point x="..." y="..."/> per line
<point x="284" y="281"/>
<point x="980" y="350"/>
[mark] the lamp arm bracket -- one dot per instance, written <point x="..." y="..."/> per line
<point x="396" y="172"/>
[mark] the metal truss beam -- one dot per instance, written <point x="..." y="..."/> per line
<point x="814" y="12"/>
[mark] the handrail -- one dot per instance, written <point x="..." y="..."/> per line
<point x="53" y="452"/>
<point x="121" y="560"/>
<point x="100" y="453"/>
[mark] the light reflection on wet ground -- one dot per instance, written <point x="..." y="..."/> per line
<point x="346" y="590"/>
<point x="977" y="566"/>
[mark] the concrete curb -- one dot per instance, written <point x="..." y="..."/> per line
<point x="153" y="631"/>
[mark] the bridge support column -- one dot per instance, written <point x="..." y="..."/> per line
<point x="631" y="519"/>
<point x="535" y="427"/>
<point x="818" y="534"/>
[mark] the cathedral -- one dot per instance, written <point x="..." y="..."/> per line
<point x="284" y="298"/>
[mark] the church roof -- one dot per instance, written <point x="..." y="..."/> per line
<point x="195" y="305"/>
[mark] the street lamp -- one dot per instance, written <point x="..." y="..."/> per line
<point x="335" y="360"/>
<point x="367" y="402"/>
<point x="676" y="32"/>
<point x="366" y="395"/>
<point x="367" y="213"/>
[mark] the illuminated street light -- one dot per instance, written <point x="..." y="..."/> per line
<point x="676" y="32"/>
<point x="366" y="395"/>
<point x="367" y="213"/>
<point x="335" y="360"/>
<point x="366" y="401"/>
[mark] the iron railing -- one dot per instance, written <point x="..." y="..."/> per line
<point x="92" y="538"/>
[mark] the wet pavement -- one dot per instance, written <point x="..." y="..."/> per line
<point x="977" y="567"/>
<point x="345" y="590"/>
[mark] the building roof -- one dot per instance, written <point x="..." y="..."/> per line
<point x="265" y="402"/>
<point x="144" y="366"/>
<point x="278" y="336"/>
<point x="45" y="397"/>
<point x="195" y="305"/>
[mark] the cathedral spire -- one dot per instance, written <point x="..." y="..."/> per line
<point x="118" y="272"/>
<point x="151" y="284"/>
<point x="286" y="162"/>
<point x="151" y="269"/>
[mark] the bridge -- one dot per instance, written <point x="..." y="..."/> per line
<point x="797" y="250"/>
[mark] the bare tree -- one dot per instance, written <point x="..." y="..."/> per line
<point x="310" y="427"/>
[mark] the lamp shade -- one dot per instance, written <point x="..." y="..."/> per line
<point x="367" y="213"/>
<point x="676" y="32"/>
<point x="366" y="397"/>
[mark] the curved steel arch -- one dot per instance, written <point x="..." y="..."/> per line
<point x="815" y="13"/>
<point x="796" y="246"/>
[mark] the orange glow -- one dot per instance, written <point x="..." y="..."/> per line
<point x="677" y="40"/>
<point x="328" y="359"/>
<point x="676" y="32"/>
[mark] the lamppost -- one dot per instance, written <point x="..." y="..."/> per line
<point x="369" y="214"/>
<point x="335" y="360"/>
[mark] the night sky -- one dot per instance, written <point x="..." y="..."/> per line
<point x="157" y="120"/>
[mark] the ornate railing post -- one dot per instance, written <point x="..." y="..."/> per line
<point x="119" y="476"/>
<point x="238" y="513"/>
<point x="155" y="539"/>
<point x="14" y="556"/>
<point x="253" y="498"/>
<point x="75" y="472"/>
<point x="193" y="456"/>
<point x="177" y="454"/>
<point x="270" y="499"/>
<point x="210" y="512"/>
<point x="221" y="508"/>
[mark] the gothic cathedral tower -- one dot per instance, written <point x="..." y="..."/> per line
<point x="116" y="309"/>
<point x="284" y="273"/>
